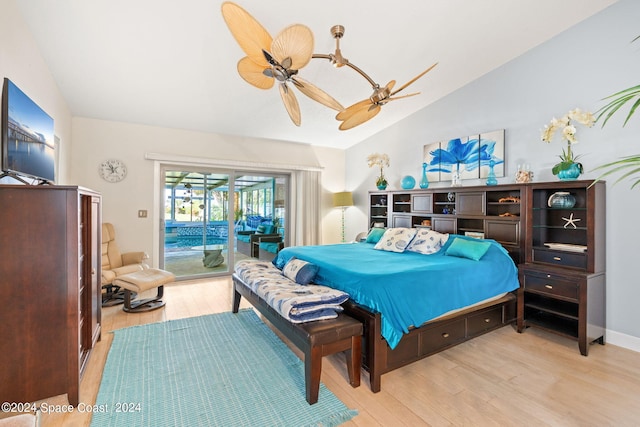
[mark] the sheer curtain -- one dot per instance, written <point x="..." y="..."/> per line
<point x="305" y="208"/>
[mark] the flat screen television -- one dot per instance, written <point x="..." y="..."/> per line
<point x="28" y="149"/>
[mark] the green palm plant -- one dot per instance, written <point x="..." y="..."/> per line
<point x="629" y="166"/>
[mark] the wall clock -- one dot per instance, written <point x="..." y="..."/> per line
<point x="112" y="170"/>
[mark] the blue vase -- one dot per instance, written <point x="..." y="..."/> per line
<point x="424" y="182"/>
<point x="570" y="174"/>
<point x="408" y="182"/>
<point x="491" y="178"/>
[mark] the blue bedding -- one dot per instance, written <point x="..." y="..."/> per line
<point x="408" y="288"/>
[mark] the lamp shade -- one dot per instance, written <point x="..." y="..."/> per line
<point x="342" y="199"/>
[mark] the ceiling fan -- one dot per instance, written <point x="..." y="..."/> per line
<point x="269" y="60"/>
<point x="366" y="109"/>
<point x="281" y="58"/>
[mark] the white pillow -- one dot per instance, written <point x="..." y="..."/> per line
<point x="395" y="239"/>
<point x="427" y="241"/>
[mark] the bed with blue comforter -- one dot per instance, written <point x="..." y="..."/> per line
<point x="408" y="288"/>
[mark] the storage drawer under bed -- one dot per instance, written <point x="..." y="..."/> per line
<point x="484" y="321"/>
<point x="431" y="339"/>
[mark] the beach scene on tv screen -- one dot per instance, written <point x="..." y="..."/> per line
<point x="30" y="148"/>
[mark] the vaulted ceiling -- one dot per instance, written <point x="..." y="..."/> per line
<point x="173" y="63"/>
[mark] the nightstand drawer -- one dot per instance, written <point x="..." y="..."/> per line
<point x="566" y="259"/>
<point x="547" y="284"/>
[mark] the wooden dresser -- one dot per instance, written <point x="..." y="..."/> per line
<point x="50" y="264"/>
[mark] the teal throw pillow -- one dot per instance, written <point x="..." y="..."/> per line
<point x="375" y="234"/>
<point x="301" y="272"/>
<point x="260" y="229"/>
<point x="269" y="229"/>
<point x="468" y="249"/>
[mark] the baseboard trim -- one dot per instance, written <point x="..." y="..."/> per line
<point x="622" y="340"/>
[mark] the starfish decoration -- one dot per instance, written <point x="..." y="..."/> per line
<point x="571" y="221"/>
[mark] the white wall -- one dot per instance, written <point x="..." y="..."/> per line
<point x="22" y="63"/>
<point x="333" y="178"/>
<point x="98" y="140"/>
<point x="575" y="69"/>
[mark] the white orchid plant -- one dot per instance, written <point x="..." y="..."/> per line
<point x="381" y="161"/>
<point x="567" y="158"/>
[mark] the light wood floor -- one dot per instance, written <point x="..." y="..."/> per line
<point x="499" y="379"/>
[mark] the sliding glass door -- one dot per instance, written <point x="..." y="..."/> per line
<point x="210" y="215"/>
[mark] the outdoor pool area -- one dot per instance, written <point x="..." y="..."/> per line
<point x="180" y="236"/>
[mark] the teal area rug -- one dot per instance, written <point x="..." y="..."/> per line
<point x="217" y="370"/>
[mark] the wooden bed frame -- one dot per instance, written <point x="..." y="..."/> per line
<point x="432" y="337"/>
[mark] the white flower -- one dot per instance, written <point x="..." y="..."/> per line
<point x="569" y="133"/>
<point x="582" y="117"/>
<point x="564" y="123"/>
<point x="379" y="160"/>
<point x="549" y="130"/>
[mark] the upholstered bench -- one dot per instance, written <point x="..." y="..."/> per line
<point x="141" y="281"/>
<point x="315" y="339"/>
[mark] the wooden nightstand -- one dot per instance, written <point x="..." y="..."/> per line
<point x="563" y="301"/>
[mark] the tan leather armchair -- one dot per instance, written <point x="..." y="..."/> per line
<point x="114" y="264"/>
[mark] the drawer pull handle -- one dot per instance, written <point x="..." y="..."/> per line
<point x="487" y="320"/>
<point x="548" y="286"/>
<point x="445" y="335"/>
<point x="557" y="258"/>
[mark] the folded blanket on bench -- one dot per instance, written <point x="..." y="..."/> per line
<point x="296" y="303"/>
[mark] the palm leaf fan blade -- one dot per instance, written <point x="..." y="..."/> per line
<point x="352" y="109"/>
<point x="390" y="85"/>
<point x="316" y="94"/>
<point x="295" y="42"/>
<point x="290" y="103"/>
<point x="253" y="74"/>
<point x="414" y="79"/>
<point x="360" y="117"/>
<point x="403" y="96"/>
<point x="250" y="35"/>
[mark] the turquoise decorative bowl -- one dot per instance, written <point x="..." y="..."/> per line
<point x="408" y="182"/>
